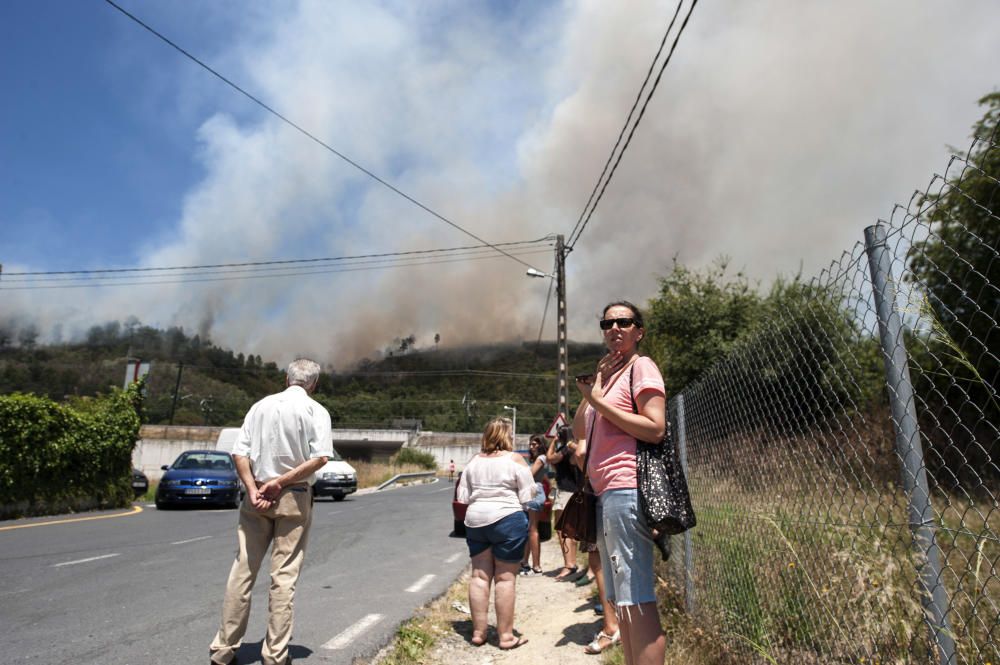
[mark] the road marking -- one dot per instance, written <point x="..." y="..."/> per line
<point x="450" y="488"/>
<point x="135" y="510"/>
<point x="454" y="557"/>
<point x="93" y="558"/>
<point x="191" y="540"/>
<point x="420" y="584"/>
<point x="349" y="635"/>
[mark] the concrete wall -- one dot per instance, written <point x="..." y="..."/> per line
<point x="161" y="444"/>
<point x="458" y="446"/>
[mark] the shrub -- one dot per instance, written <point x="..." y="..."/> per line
<point x="55" y="458"/>
<point x="414" y="456"/>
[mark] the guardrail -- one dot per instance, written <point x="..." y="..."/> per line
<point x="399" y="476"/>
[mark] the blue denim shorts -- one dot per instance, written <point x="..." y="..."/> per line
<point x="539" y="499"/>
<point x="626" y="545"/>
<point x="507" y="538"/>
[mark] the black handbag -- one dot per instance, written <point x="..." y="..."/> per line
<point x="663" y="489"/>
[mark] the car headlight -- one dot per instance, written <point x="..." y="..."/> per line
<point x="329" y="476"/>
<point x="171" y="483"/>
<point x="347" y="476"/>
<point x="227" y="483"/>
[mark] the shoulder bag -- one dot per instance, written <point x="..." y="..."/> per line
<point x="663" y="489"/>
<point x="578" y="520"/>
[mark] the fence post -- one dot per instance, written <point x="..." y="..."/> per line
<point x="688" y="546"/>
<point x="908" y="444"/>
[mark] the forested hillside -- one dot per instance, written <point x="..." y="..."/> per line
<point x="192" y="381"/>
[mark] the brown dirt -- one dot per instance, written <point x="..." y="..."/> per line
<point x="557" y="619"/>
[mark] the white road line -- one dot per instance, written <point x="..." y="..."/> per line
<point x="191" y="540"/>
<point x="93" y="558"/>
<point x="454" y="557"/>
<point x="348" y="636"/>
<point x="420" y="584"/>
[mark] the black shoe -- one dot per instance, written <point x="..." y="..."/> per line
<point x="662" y="543"/>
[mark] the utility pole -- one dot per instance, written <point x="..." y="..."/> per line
<point x="177" y="390"/>
<point x="562" y="390"/>
<point x="563" y="396"/>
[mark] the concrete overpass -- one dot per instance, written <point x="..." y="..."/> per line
<point x="161" y="444"/>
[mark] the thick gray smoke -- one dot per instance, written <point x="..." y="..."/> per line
<point x="779" y="131"/>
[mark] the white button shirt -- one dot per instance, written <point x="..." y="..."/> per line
<point x="282" y="431"/>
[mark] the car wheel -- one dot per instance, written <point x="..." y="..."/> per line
<point x="339" y="497"/>
<point x="160" y="505"/>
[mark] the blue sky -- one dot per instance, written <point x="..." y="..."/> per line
<point x="780" y="130"/>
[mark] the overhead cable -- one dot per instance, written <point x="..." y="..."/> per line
<point x="273" y="262"/>
<point x="310" y="135"/>
<point x="585" y="217"/>
<point x="262" y="273"/>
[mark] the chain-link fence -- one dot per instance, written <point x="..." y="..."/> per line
<point x="843" y="459"/>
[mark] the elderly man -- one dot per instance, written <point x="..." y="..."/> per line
<point x="285" y="439"/>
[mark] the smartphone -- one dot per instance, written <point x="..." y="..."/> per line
<point x="585" y="378"/>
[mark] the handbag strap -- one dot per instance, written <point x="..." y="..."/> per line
<point x="593" y="421"/>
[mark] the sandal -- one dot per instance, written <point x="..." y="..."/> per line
<point x="565" y="573"/>
<point x="521" y="641"/>
<point x="596" y="647"/>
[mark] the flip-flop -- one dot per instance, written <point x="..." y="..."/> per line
<point x="521" y="641"/>
<point x="569" y="572"/>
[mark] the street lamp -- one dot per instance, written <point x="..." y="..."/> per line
<point x="514" y="425"/>
<point x="536" y="273"/>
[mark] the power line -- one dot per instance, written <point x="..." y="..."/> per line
<point x="309" y="135"/>
<point x="111" y="281"/>
<point x="277" y="261"/>
<point x="545" y="312"/>
<point x="580" y="226"/>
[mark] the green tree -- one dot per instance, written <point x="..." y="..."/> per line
<point x="957" y="268"/>
<point x="696" y="317"/>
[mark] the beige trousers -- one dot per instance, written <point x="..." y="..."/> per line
<point x="285" y="527"/>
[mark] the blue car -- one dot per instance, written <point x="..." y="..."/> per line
<point x="200" y="477"/>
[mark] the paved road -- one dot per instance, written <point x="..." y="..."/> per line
<point x="146" y="589"/>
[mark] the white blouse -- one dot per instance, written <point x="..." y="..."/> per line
<point x="494" y="487"/>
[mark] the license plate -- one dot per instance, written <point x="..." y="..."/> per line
<point x="137" y="484"/>
<point x="197" y="490"/>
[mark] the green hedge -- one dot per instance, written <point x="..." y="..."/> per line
<point x="55" y="458"/>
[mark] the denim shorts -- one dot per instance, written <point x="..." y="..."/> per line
<point x="538" y="501"/>
<point x="507" y="538"/>
<point x="626" y="545"/>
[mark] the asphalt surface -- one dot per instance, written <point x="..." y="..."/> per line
<point x="146" y="588"/>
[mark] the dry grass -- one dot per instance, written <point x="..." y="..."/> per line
<point x="373" y="474"/>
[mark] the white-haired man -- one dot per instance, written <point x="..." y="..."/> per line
<point x="286" y="438"/>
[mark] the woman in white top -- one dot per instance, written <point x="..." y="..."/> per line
<point x="494" y="484"/>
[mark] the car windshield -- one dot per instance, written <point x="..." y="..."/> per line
<point x="335" y="457"/>
<point x="204" y="462"/>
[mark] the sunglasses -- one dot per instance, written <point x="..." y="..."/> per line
<point x="623" y="323"/>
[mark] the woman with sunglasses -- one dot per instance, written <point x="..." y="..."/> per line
<point x="606" y="420"/>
